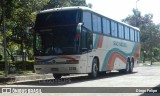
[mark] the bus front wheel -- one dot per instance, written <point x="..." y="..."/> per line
<point x="57" y="76"/>
<point x="94" y="72"/>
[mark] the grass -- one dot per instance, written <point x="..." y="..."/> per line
<point x="21" y="72"/>
<point x="1" y="72"/>
<point x="25" y="72"/>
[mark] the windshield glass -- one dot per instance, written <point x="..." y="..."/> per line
<point x="56" y="41"/>
<point x="55" y="18"/>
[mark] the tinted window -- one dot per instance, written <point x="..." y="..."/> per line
<point x="84" y="39"/>
<point x="114" y="29"/>
<point x="87" y="20"/>
<point x="106" y="26"/>
<point x="56" y="41"/>
<point x="57" y="18"/>
<point x="132" y="34"/>
<point x="97" y="24"/>
<point x="127" y="33"/>
<point x="136" y="36"/>
<point x="121" y="31"/>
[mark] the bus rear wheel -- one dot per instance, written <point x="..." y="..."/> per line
<point x="57" y="76"/>
<point x="126" y="70"/>
<point x="94" y="72"/>
<point x="131" y="66"/>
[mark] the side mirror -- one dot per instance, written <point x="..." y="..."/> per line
<point x="79" y="27"/>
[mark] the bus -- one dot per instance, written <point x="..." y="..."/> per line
<point x="78" y="40"/>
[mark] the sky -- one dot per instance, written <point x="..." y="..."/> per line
<point x="120" y="9"/>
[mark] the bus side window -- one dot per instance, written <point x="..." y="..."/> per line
<point x="126" y="33"/>
<point x="97" y="27"/>
<point x="132" y="34"/>
<point x="84" y="40"/>
<point x="87" y="20"/>
<point x="136" y="38"/>
<point x="90" y="40"/>
<point x="114" y="29"/>
<point x="95" y="23"/>
<point x="87" y="40"/>
<point x="106" y="26"/>
<point x="121" y="31"/>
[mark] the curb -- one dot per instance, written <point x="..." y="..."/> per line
<point x="32" y="77"/>
<point x="4" y="80"/>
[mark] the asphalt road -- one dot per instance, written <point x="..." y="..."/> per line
<point x="139" y="81"/>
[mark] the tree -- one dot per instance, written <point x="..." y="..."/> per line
<point x="64" y="3"/>
<point x="21" y="14"/>
<point x="149" y="32"/>
<point x="89" y="5"/>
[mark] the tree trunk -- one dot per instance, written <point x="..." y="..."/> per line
<point x="23" y="55"/>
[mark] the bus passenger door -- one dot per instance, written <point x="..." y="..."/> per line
<point x="87" y="45"/>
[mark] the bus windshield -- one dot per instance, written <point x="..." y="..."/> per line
<point x="56" y="18"/>
<point x="55" y="33"/>
<point x="56" y="41"/>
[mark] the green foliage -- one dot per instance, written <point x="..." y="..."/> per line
<point x="1" y="72"/>
<point x="19" y="65"/>
<point x="64" y="3"/>
<point x="156" y="54"/>
<point x="1" y="57"/>
<point x="149" y="31"/>
<point x="2" y="65"/>
<point x="24" y="72"/>
<point x="20" y="14"/>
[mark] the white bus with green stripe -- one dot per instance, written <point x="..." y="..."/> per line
<point x="77" y="40"/>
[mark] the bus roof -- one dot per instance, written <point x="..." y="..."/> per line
<point x="65" y="8"/>
<point x="84" y="8"/>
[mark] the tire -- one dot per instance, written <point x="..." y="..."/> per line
<point x="57" y="76"/>
<point x="131" y="66"/>
<point x="95" y="69"/>
<point x="102" y="73"/>
<point x="126" y="71"/>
